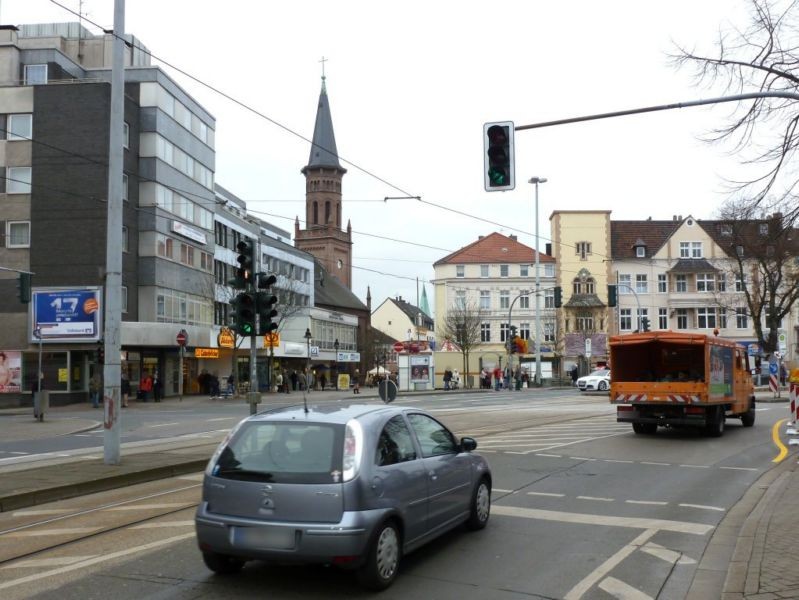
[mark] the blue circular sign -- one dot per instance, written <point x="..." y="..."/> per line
<point x="772" y="368"/>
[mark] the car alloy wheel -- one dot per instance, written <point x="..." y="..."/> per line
<point x="481" y="506"/>
<point x="603" y="385"/>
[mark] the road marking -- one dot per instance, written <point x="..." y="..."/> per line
<point x="595" y="498"/>
<point x="546" y="494"/>
<point x="501" y="491"/>
<point x="599" y="573"/>
<point x="164" y="424"/>
<point x="775" y="435"/>
<point x="48" y="562"/>
<point x="696" y="466"/>
<point x="221" y="419"/>
<point x="41" y="512"/>
<point x="162" y="524"/>
<point x="549" y="455"/>
<point x="96" y="560"/>
<point x="622" y="591"/>
<point x="195" y="477"/>
<point x="652" y="502"/>
<point x="657" y="464"/>
<point x="583" y="458"/>
<point x="703" y="507"/>
<point x="62" y="531"/>
<point x="602" y="520"/>
<point x="739" y="468"/>
<point x="626" y="462"/>
<point x="151" y="506"/>
<point x="670" y="556"/>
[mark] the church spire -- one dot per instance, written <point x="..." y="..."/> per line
<point x="323" y="147"/>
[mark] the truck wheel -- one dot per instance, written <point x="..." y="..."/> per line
<point x="715" y="422"/>
<point x="645" y="428"/>
<point x="748" y="418"/>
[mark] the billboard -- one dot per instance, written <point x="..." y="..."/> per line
<point x="66" y="315"/>
<point x="10" y="372"/>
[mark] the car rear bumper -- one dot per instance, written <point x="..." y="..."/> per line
<point x="342" y="543"/>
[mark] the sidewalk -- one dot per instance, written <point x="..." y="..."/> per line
<point x="749" y="556"/>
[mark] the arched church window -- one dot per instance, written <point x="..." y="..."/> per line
<point x="315" y="213"/>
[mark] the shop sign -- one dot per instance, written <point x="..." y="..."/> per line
<point x="272" y="340"/>
<point x="206" y="353"/>
<point x="294" y="349"/>
<point x="189" y="232"/>
<point x="348" y="357"/>
<point x="225" y="339"/>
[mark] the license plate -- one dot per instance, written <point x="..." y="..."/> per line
<point x="276" y="538"/>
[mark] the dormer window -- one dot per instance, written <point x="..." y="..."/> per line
<point x="640" y="248"/>
<point x="726" y="229"/>
<point x="764" y="229"/>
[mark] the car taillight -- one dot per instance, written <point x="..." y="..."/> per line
<point x="353" y="442"/>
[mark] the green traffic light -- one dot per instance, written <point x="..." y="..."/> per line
<point x="246" y="328"/>
<point x="497" y="176"/>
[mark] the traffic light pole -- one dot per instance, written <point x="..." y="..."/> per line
<point x="637" y="301"/>
<point x="508" y="340"/>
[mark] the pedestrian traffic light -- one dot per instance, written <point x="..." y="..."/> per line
<point x="644" y="323"/>
<point x="612" y="296"/>
<point x="264" y="304"/>
<point x="244" y="313"/>
<point x="24" y="287"/>
<point x="558" y="297"/>
<point x="498" y="159"/>
<point x="101" y="352"/>
<point x="246" y="259"/>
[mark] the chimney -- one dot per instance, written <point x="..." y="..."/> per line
<point x="512" y="236"/>
<point x="673" y="217"/>
<point x="480" y="237"/>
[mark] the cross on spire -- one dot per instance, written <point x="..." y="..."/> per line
<point x="323" y="61"/>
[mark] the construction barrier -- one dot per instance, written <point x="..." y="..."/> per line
<point x="772" y="383"/>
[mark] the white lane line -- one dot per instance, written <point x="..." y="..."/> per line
<point x="703" y="507"/>
<point x="501" y="491"/>
<point x="549" y="455"/>
<point x="602" y="520"/>
<point x="583" y="458"/>
<point x="57" y="531"/>
<point x="670" y="556"/>
<point x="647" y="502"/>
<point x="599" y="573"/>
<point x="696" y="466"/>
<point x="657" y="464"/>
<point x="162" y="524"/>
<point x="195" y="477"/>
<point x="622" y="591"/>
<point x="41" y="512"/>
<point x="595" y="498"/>
<point x="151" y="506"/>
<point x="165" y="424"/>
<point x="20" y="453"/>
<point x="221" y="419"/>
<point x="739" y="468"/>
<point x="48" y="562"/>
<point x="96" y="560"/>
<point x="625" y="462"/>
<point x="546" y="494"/>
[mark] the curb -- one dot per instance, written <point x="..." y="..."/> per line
<point x="102" y="484"/>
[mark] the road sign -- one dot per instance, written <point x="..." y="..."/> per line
<point x="272" y="340"/>
<point x="387" y="390"/>
<point x="182" y="338"/>
<point x="772" y="368"/>
<point x="588" y="347"/>
<point x="398" y="346"/>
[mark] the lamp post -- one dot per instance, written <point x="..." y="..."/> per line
<point x="335" y="347"/>
<point x="535" y="181"/>
<point x="308" y="359"/>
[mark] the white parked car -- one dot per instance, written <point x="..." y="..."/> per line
<point x="598" y="380"/>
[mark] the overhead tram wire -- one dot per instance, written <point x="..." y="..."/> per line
<point x="288" y="129"/>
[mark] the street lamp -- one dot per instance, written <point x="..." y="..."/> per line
<point x="536" y="181"/>
<point x="335" y="346"/>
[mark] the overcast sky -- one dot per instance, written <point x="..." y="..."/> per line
<point x="410" y="86"/>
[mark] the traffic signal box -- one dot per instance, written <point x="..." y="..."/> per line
<point x="612" y="296"/>
<point x="499" y="173"/>
<point x="244" y="313"/>
<point x="558" y="297"/>
<point x="246" y="259"/>
<point x="265" y="304"/>
<point x="24" y="287"/>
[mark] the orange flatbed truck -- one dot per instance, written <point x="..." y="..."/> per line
<point x="674" y="379"/>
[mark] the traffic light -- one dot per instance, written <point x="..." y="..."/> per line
<point x="558" y="297"/>
<point x="244" y="313"/>
<point x="24" y="287"/>
<point x="101" y="352"/>
<point x="498" y="159"/>
<point x="264" y="303"/>
<point x="644" y="323"/>
<point x="246" y="259"/>
<point x="612" y="296"/>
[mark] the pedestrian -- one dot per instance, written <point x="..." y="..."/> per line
<point x="322" y="381"/>
<point x="125" y="389"/>
<point x="279" y="381"/>
<point x="497" y="378"/>
<point x="574" y="372"/>
<point x="95" y="389"/>
<point x="447" y="378"/>
<point x="356" y="386"/>
<point x="783" y="374"/>
<point x="145" y="386"/>
<point x="456" y="380"/>
<point x="230" y="382"/>
<point x="158" y="386"/>
<point x="294" y="379"/>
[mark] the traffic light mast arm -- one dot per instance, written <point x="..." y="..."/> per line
<point x="637" y="301"/>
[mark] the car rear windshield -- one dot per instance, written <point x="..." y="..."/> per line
<point x="283" y="452"/>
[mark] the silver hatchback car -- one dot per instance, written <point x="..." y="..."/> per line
<point x="355" y="486"/>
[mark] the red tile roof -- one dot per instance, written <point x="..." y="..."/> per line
<point x="492" y="249"/>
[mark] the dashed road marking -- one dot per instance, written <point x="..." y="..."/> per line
<point x="657" y="464"/>
<point x="38" y="563"/>
<point x="622" y="591"/>
<point x="164" y="424"/>
<point x="164" y="524"/>
<point x="647" y="502"/>
<point x="40" y="512"/>
<point x="151" y="506"/>
<point x="546" y="494"/>
<point x="594" y="498"/>
<point x="703" y="507"/>
<point x="670" y="556"/>
<point x="57" y="531"/>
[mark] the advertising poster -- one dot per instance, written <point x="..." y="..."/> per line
<point x="420" y="369"/>
<point x="720" y="371"/>
<point x="66" y="315"/>
<point x="10" y="372"/>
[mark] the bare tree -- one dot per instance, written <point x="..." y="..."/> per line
<point x="288" y="305"/>
<point x="462" y="325"/>
<point x="762" y="58"/>
<point x="763" y="261"/>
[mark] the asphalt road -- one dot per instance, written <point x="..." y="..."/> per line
<point x="582" y="508"/>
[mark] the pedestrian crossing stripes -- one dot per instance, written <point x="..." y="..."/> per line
<point x="555" y="435"/>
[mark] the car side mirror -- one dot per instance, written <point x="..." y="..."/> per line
<point x="468" y="444"/>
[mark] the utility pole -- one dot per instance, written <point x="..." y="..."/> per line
<point x="112" y="370"/>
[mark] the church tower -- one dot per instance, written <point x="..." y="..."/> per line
<point x="323" y="236"/>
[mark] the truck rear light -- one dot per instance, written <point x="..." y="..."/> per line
<point x="624" y="408"/>
<point x="694" y="410"/>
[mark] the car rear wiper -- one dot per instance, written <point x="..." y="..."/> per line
<point x="235" y="473"/>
